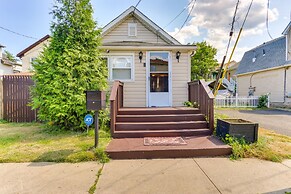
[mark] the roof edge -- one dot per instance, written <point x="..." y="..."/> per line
<point x="138" y="13"/>
<point x="286" y="64"/>
<point x="285" y="32"/>
<point x="21" y="53"/>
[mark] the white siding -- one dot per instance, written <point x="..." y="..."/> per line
<point x="180" y="78"/>
<point x="135" y="91"/>
<point x="5" y="69"/>
<point x="288" y="84"/>
<point x="289" y="45"/>
<point x="120" y="33"/>
<point x="265" y="82"/>
<point x="33" y="53"/>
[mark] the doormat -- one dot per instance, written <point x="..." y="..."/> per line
<point x="164" y="141"/>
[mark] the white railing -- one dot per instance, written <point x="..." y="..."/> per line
<point x="236" y="101"/>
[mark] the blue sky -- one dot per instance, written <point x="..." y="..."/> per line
<point x="210" y="20"/>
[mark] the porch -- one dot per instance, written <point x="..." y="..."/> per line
<point x="129" y="127"/>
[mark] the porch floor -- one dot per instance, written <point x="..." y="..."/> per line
<point x="197" y="146"/>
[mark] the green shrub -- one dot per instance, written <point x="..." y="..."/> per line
<point x="239" y="146"/>
<point x="68" y="66"/>
<point x="191" y="104"/>
<point x="263" y="101"/>
<point x="104" y="119"/>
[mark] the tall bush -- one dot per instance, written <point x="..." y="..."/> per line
<point x="68" y="66"/>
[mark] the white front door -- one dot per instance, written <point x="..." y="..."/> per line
<point x="159" y="85"/>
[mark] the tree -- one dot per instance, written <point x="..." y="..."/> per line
<point x="10" y="56"/>
<point x="68" y="66"/>
<point x="203" y="62"/>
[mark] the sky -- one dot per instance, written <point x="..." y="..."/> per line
<point x="209" y="20"/>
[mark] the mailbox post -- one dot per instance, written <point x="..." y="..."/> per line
<point x="95" y="100"/>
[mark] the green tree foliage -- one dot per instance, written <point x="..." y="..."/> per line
<point x="203" y="62"/>
<point x="10" y="56"/>
<point x="68" y="66"/>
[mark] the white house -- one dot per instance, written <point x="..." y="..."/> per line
<point x="266" y="69"/>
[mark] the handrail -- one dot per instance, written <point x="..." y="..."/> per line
<point x="199" y="92"/>
<point x="116" y="102"/>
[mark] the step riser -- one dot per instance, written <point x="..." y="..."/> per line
<point x="169" y="154"/>
<point x="130" y="134"/>
<point x="161" y="118"/>
<point x="157" y="112"/>
<point x="153" y="126"/>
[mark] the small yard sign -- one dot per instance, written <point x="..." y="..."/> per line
<point x="88" y="120"/>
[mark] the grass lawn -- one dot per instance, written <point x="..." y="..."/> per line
<point x="270" y="146"/>
<point x="31" y="142"/>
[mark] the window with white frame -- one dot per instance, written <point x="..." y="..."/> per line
<point x="31" y="62"/>
<point x="121" y="67"/>
<point x="132" y="29"/>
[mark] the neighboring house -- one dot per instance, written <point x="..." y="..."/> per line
<point x="266" y="69"/>
<point x="7" y="66"/>
<point x="231" y="70"/>
<point x="29" y="54"/>
<point x="154" y="67"/>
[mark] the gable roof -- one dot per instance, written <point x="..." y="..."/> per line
<point x="132" y="11"/>
<point x="21" y="53"/>
<point x="285" y="32"/>
<point x="275" y="56"/>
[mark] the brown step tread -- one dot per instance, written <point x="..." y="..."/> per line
<point x="160" y="125"/>
<point x="158" y="111"/>
<point x="134" y="148"/>
<point x="161" y="133"/>
<point x="160" y="118"/>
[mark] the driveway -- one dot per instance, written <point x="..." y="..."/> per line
<point x="276" y="120"/>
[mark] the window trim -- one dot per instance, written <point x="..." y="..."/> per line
<point x="110" y="67"/>
<point x="128" y="29"/>
<point x="31" y="59"/>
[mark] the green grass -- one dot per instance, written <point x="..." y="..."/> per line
<point x="270" y="146"/>
<point x="32" y="142"/>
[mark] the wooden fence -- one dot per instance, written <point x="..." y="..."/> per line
<point x="16" y="97"/>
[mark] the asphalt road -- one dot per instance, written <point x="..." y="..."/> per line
<point x="276" y="120"/>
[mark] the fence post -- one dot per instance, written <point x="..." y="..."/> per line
<point x="268" y="101"/>
<point x="236" y="100"/>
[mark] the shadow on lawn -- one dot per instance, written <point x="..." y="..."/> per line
<point x="54" y="156"/>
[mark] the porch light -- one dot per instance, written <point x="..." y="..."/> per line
<point x="178" y="54"/>
<point x="140" y="54"/>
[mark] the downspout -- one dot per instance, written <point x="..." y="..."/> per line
<point x="285" y="83"/>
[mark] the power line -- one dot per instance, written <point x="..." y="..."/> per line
<point x="18" y="33"/>
<point x="178" y="14"/>
<point x="227" y="48"/>
<point x="136" y="5"/>
<point x="240" y="31"/>
<point x="186" y="18"/>
<point x="267" y="19"/>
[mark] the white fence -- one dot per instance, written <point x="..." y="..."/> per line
<point x="236" y="101"/>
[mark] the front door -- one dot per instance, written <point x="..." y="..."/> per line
<point x="159" y="79"/>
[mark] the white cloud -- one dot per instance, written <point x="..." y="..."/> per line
<point x="215" y="17"/>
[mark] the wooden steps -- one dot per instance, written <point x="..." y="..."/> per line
<point x="133" y="124"/>
<point x="167" y="122"/>
<point x="197" y="146"/>
<point x="162" y="133"/>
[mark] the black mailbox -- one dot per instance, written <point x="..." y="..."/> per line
<point x="95" y="100"/>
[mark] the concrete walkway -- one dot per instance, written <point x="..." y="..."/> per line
<point x="198" y="175"/>
<point x="47" y="177"/>
<point x="276" y="120"/>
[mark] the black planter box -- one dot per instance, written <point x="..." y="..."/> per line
<point x="237" y="128"/>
